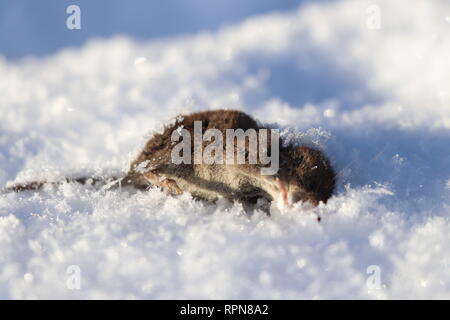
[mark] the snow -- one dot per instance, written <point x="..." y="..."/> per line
<point x="376" y="101"/>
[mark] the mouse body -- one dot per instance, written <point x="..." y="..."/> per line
<point x="304" y="173"/>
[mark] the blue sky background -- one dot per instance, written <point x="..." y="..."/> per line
<point x="30" y="27"/>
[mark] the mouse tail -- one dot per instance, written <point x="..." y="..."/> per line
<point x="100" y="182"/>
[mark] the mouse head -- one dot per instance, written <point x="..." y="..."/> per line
<point x="310" y="176"/>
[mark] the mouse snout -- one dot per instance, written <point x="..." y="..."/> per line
<point x="284" y="192"/>
<point x="290" y="193"/>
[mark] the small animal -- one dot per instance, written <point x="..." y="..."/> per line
<point x="304" y="174"/>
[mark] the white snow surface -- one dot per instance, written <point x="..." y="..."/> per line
<point x="377" y="101"/>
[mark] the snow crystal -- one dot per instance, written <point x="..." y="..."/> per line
<point x="329" y="113"/>
<point x="140" y="60"/>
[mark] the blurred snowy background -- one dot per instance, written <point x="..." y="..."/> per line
<point x="367" y="81"/>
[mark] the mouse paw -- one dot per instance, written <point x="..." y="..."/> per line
<point x="171" y="187"/>
<point x="168" y="185"/>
